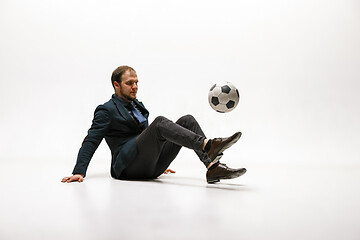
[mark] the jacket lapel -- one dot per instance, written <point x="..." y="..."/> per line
<point x="124" y="112"/>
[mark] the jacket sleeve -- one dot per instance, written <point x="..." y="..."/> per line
<point x="99" y="128"/>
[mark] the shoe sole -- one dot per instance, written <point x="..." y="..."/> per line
<point x="231" y="176"/>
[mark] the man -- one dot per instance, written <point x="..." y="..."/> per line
<point x="142" y="151"/>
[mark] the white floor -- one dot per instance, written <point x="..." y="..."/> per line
<point x="268" y="202"/>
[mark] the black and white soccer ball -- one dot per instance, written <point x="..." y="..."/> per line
<point x="223" y="97"/>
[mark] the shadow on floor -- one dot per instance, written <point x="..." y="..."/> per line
<point x="182" y="181"/>
<point x="200" y="183"/>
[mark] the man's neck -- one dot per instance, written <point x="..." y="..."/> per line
<point x="123" y="98"/>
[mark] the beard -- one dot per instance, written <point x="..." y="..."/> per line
<point x="124" y="95"/>
<point x="129" y="98"/>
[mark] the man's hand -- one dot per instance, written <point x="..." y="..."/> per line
<point x="77" y="177"/>
<point x="169" y="171"/>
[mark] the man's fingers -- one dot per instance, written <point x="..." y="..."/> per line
<point x="78" y="178"/>
<point x="64" y="179"/>
<point x="70" y="179"/>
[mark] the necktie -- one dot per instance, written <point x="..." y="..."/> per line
<point x="136" y="113"/>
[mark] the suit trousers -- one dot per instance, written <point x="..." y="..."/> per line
<point x="159" y="144"/>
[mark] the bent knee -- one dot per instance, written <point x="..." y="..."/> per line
<point x="160" y="120"/>
<point x="186" y="119"/>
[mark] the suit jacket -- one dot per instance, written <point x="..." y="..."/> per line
<point x="113" y="122"/>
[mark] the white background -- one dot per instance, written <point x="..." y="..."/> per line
<point x="295" y="63"/>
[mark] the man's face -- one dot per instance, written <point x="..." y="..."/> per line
<point x="128" y="87"/>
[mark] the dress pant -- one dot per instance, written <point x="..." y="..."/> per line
<point x="159" y="144"/>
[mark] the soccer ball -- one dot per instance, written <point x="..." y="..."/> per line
<point x="223" y="97"/>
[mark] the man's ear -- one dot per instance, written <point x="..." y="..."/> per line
<point x="116" y="84"/>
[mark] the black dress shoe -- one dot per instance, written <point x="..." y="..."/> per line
<point x="221" y="171"/>
<point x="218" y="145"/>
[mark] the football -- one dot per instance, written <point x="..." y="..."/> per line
<point x="223" y="97"/>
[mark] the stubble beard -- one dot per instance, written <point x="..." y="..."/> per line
<point x="126" y="97"/>
<point x="129" y="98"/>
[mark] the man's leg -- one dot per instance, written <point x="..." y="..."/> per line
<point x="163" y="136"/>
<point x="159" y="144"/>
<point x="171" y="150"/>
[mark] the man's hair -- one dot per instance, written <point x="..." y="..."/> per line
<point x="117" y="74"/>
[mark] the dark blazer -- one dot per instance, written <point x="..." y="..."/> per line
<point x="113" y="122"/>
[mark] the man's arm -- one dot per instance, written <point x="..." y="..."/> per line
<point x="100" y="125"/>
